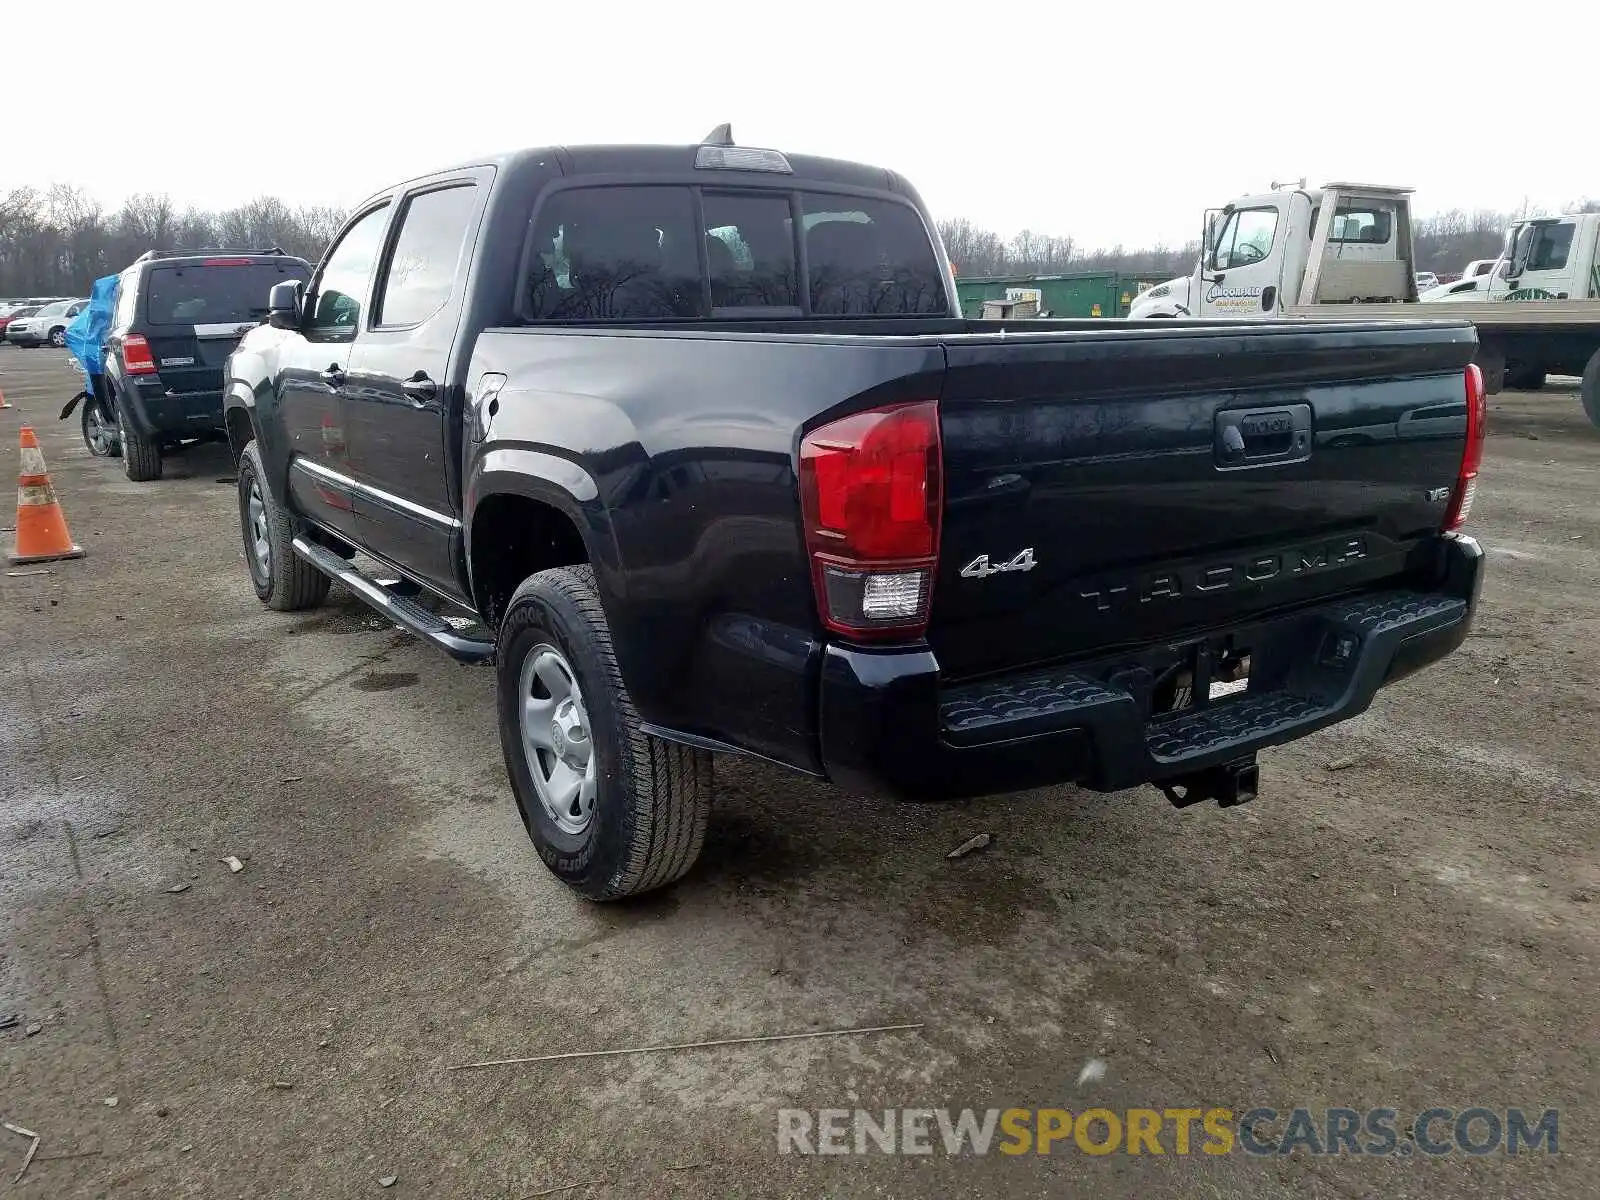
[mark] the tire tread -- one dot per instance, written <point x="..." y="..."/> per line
<point x="668" y="787"/>
<point x="296" y="584"/>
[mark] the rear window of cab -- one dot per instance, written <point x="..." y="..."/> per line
<point x="231" y="291"/>
<point x="650" y="253"/>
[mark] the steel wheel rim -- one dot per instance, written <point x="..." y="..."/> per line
<point x="256" y="532"/>
<point x="556" y="738"/>
<point x="99" y="429"/>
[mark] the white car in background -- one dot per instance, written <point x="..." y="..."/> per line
<point x="49" y="324"/>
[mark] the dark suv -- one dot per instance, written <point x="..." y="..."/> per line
<point x="178" y="316"/>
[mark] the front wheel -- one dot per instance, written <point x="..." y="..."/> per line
<point x="612" y="811"/>
<point x="99" y="430"/>
<point x="282" y="579"/>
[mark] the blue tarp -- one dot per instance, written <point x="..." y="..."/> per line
<point x="88" y="330"/>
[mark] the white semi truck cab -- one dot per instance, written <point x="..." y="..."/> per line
<point x="1346" y="250"/>
<point x="1338" y="244"/>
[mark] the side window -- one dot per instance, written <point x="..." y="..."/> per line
<point x="345" y="277"/>
<point x="427" y="255"/>
<point x="870" y="258"/>
<point x="750" y="251"/>
<point x="1246" y="238"/>
<point x="615" y="254"/>
<point x="1551" y="245"/>
<point x="126" y="293"/>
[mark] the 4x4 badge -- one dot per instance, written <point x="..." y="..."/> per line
<point x="982" y="568"/>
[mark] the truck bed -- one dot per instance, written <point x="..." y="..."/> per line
<point x="1093" y="445"/>
<point x="1498" y="314"/>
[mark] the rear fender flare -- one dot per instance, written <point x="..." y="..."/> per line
<point x="563" y="485"/>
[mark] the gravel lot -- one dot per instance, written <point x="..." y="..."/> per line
<point x="1419" y="926"/>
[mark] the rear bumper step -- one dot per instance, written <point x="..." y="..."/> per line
<point x="401" y="609"/>
<point x="888" y="724"/>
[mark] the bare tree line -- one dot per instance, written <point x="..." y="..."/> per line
<point x="57" y="241"/>
<point x="1445" y="242"/>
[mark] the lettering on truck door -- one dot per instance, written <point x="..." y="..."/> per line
<point x="1241" y="275"/>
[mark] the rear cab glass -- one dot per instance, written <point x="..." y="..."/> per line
<point x="219" y="292"/>
<point x="650" y="252"/>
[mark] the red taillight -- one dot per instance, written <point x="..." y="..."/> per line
<point x="871" y="495"/>
<point x="225" y="262"/>
<point x="1472" y="457"/>
<point x="136" y="359"/>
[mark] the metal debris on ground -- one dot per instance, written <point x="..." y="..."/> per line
<point x="971" y="845"/>
<point x="1340" y="764"/>
<point x="179" y="887"/>
<point x="743" y="1041"/>
<point x="234" y="864"/>
<point x="25" y="574"/>
<point x="282" y="1085"/>
<point x="111" y="1101"/>
<point x="1272" y="1054"/>
<point x="1093" y="1071"/>
<point x="10" y="1021"/>
<point x="33" y="1147"/>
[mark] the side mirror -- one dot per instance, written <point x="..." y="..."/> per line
<point x="283" y="304"/>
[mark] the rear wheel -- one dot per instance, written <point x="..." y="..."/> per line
<point x="99" y="430"/>
<point x="612" y="811"/>
<point x="141" y="457"/>
<point x="283" y="580"/>
<point x="58" y="337"/>
<point x="1590" y="391"/>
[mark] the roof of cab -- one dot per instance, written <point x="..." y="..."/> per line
<point x="645" y="159"/>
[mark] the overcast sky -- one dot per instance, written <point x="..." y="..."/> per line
<point x="1112" y="122"/>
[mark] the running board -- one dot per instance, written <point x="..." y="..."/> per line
<point x="406" y="613"/>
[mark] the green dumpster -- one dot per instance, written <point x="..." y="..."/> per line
<point x="1076" y="294"/>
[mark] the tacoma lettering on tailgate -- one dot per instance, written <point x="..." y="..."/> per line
<point x="1203" y="579"/>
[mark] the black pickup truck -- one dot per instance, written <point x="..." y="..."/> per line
<point x="691" y="443"/>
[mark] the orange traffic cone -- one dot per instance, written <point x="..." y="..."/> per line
<point x="41" y="528"/>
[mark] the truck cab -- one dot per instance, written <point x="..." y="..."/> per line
<point x="1338" y="244"/>
<point x="1550" y="258"/>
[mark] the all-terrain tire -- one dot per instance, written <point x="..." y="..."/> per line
<point x="653" y="798"/>
<point x="1590" y="391"/>
<point x="141" y="457"/>
<point x="285" y="582"/>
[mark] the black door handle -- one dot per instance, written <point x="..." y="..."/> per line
<point x="420" y="388"/>
<point x="333" y="376"/>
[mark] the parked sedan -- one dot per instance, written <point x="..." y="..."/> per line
<point x="13" y="313"/>
<point x="49" y="324"/>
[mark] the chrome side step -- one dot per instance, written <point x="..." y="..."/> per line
<point x="405" y="612"/>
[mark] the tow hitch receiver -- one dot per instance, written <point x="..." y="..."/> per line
<point x="1232" y="783"/>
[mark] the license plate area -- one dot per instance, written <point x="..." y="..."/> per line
<point x="1202" y="675"/>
